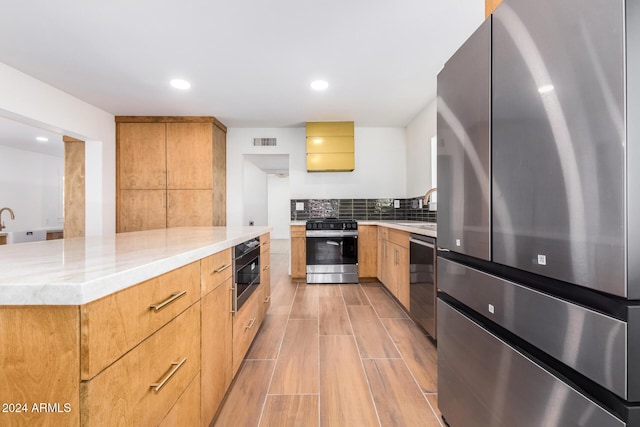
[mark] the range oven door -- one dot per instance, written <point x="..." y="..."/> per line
<point x="332" y="256"/>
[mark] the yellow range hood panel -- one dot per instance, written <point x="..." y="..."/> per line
<point x="330" y="162"/>
<point x="330" y="147"/>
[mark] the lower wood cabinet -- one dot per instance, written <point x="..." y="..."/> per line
<point x="265" y="274"/>
<point x="393" y="263"/>
<point x="245" y="326"/>
<point x="186" y="411"/>
<point x="367" y="251"/>
<point x="162" y="352"/>
<point x="217" y="367"/>
<point x="298" y="252"/>
<point x="141" y="387"/>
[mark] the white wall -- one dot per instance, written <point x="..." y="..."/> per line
<point x="254" y="193"/>
<point x="278" y="206"/>
<point x="419" y="133"/>
<point x="31" y="185"/>
<point x="33" y="102"/>
<point x="380" y="171"/>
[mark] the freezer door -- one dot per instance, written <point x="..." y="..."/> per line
<point x="558" y="140"/>
<point x="464" y="152"/>
<point x="483" y="381"/>
<point x="592" y="343"/>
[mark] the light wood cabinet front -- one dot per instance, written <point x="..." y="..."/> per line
<point x="186" y="411"/>
<point x="298" y="252"/>
<point x="113" y="325"/>
<point x="265" y="274"/>
<point x="217" y="354"/>
<point x="215" y="270"/>
<point x="245" y="327"/>
<point x="140" y="388"/>
<point x="393" y="263"/>
<point x="40" y="363"/>
<point x="183" y="159"/>
<point x="189" y="155"/>
<point x="141" y="156"/>
<point x="490" y="6"/>
<point x="367" y="251"/>
<point x="140" y="210"/>
<point x="189" y="207"/>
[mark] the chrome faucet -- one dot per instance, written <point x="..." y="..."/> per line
<point x="425" y="201"/>
<point x="10" y="213"/>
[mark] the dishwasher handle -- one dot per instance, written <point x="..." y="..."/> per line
<point x="421" y="243"/>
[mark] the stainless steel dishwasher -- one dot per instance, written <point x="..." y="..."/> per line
<point x="422" y="279"/>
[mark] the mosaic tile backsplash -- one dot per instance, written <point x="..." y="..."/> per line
<point x="362" y="209"/>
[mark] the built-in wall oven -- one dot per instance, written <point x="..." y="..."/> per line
<point x="246" y="271"/>
<point x="332" y="251"/>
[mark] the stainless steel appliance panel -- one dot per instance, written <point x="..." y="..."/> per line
<point x="464" y="147"/>
<point x="422" y="282"/>
<point x="482" y="381"/>
<point x="632" y="11"/>
<point x="558" y="140"/>
<point x="327" y="278"/>
<point x="589" y="342"/>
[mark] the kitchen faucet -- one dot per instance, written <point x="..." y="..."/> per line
<point x="2" y="226"/>
<point x="425" y="201"/>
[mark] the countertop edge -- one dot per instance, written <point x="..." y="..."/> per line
<point x="75" y="294"/>
<point x="390" y="224"/>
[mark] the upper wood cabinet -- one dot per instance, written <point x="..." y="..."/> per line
<point x="182" y="157"/>
<point x="490" y="6"/>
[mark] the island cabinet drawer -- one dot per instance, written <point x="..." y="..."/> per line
<point x="115" y="324"/>
<point x="215" y="270"/>
<point x="141" y="387"/>
<point x="245" y="326"/>
<point x="186" y="411"/>
<point x="265" y="241"/>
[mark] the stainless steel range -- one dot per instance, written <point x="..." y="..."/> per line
<point x="332" y="251"/>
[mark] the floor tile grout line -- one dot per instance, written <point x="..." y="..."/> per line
<point x="264" y="404"/>
<point x="433" y="409"/>
<point x="409" y="368"/>
<point x="373" y="400"/>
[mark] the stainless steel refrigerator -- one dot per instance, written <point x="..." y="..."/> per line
<point x="539" y="218"/>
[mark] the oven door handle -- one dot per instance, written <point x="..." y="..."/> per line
<point x="325" y="233"/>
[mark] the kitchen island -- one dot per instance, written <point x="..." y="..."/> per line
<point x="121" y="329"/>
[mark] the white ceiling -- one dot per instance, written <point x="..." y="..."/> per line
<point x="23" y="137"/>
<point x="250" y="62"/>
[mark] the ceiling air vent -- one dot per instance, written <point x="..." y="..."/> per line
<point x="264" y="142"/>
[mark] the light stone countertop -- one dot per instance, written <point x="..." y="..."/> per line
<point x="80" y="270"/>
<point x="418" y="227"/>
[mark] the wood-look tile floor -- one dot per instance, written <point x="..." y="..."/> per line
<point x="333" y="355"/>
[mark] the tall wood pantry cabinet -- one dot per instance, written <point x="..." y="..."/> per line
<point x="170" y="172"/>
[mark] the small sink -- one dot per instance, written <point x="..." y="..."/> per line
<point x="26" y="236"/>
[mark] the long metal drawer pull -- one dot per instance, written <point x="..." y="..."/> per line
<point x="174" y="296"/>
<point x="251" y="322"/>
<point x="421" y="243"/>
<point x="221" y="269"/>
<point x="176" y="366"/>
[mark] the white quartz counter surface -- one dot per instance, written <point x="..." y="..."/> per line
<point x="80" y="270"/>
<point x="419" y="227"/>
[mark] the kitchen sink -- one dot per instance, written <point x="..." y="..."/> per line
<point x="26" y="236"/>
<point x="424" y="225"/>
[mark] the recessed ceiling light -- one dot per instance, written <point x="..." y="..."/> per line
<point x="545" y="88"/>
<point x="42" y="139"/>
<point x="319" y="85"/>
<point x="180" y="84"/>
